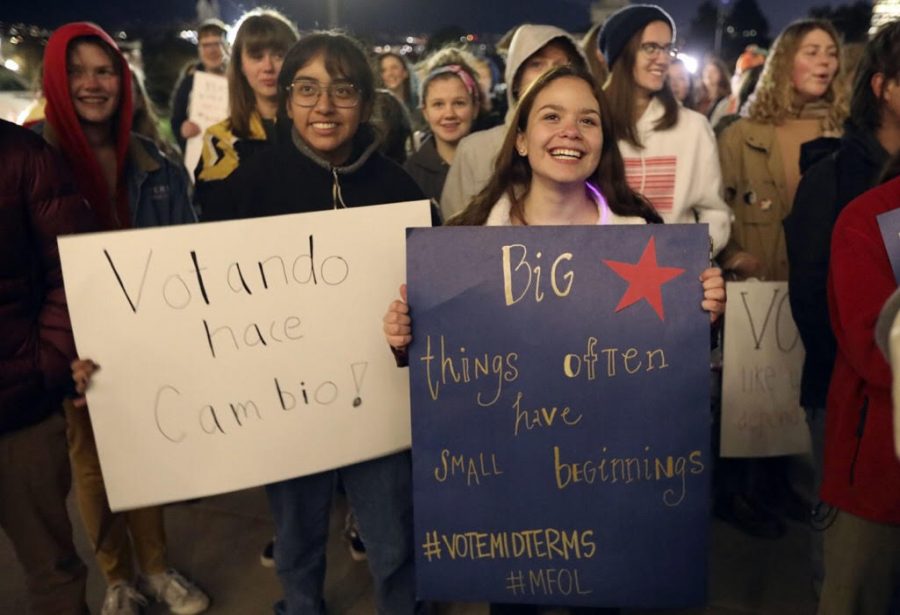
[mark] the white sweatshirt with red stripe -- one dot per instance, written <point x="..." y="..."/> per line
<point x="678" y="171"/>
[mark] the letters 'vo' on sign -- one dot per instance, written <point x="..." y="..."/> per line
<point x="560" y="398"/>
<point x="240" y="353"/>
<point x="762" y="364"/>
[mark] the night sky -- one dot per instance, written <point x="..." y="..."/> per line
<point x="370" y="16"/>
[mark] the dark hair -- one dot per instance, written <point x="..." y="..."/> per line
<point x="392" y="125"/>
<point x="258" y="30"/>
<point x="620" y="90"/>
<point x="145" y="118"/>
<point x="723" y="85"/>
<point x="409" y="94"/>
<point x="512" y="172"/>
<point x="881" y="55"/>
<point x="344" y="57"/>
<point x="690" y="101"/>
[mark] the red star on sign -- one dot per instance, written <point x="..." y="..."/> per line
<point x="645" y="279"/>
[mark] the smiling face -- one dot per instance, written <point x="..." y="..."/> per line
<point x="393" y="73"/>
<point x="326" y="129"/>
<point x="260" y="67"/>
<point x="94" y="83"/>
<point x="563" y="138"/>
<point x="650" y="70"/>
<point x="448" y="109"/>
<point x="815" y="65"/>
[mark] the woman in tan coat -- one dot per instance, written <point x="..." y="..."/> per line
<point x="797" y="100"/>
<point x="800" y="97"/>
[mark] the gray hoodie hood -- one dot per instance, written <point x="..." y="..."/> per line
<point x="528" y="39"/>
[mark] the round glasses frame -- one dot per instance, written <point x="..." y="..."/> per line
<point x="307" y="94"/>
<point x="651" y="50"/>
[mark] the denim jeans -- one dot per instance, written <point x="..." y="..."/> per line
<point x="380" y="495"/>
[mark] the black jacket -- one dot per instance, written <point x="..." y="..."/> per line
<point x="428" y="169"/>
<point x="289" y="178"/>
<point x="824" y="190"/>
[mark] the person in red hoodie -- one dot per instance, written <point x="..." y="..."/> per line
<point x="37" y="202"/>
<point x="128" y="183"/>
<point x="861" y="470"/>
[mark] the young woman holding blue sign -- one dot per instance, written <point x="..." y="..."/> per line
<point x="555" y="168"/>
<point x="558" y="165"/>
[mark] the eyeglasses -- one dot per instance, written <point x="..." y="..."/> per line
<point x="653" y="49"/>
<point x="306" y="93"/>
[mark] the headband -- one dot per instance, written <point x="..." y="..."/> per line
<point x="457" y="70"/>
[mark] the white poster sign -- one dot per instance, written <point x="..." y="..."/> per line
<point x="762" y="365"/>
<point x="234" y="354"/>
<point x="208" y="106"/>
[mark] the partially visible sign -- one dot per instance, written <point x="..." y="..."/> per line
<point x="762" y="364"/>
<point x="889" y="225"/>
<point x="235" y="354"/>
<point x="208" y="106"/>
<point x="560" y="398"/>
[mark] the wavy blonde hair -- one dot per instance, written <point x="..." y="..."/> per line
<point x="774" y="99"/>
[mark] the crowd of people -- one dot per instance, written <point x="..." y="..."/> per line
<point x="788" y="161"/>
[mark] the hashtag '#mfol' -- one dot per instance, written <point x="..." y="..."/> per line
<point x="432" y="545"/>
<point x="515" y="583"/>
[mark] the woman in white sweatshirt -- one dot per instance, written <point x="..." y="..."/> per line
<point x="669" y="151"/>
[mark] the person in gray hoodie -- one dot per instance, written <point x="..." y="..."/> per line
<point x="533" y="50"/>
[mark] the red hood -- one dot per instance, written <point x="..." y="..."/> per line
<point x="60" y="114"/>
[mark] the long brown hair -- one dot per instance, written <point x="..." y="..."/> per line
<point x="258" y="30"/>
<point x="620" y="90"/>
<point x="512" y="173"/>
<point x="773" y="101"/>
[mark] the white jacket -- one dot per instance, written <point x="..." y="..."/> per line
<point x="499" y="215"/>
<point x="678" y="171"/>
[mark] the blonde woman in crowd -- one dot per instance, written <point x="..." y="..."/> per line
<point x="451" y="100"/>
<point x="798" y="98"/>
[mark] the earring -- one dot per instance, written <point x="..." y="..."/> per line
<point x="522" y="152"/>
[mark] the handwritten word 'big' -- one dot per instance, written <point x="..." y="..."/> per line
<point x="519" y="280"/>
<point x="272" y="271"/>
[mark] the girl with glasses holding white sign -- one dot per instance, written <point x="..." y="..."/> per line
<point x="326" y="157"/>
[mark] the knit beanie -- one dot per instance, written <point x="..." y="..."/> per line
<point x="623" y="24"/>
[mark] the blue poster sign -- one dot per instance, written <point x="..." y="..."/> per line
<point x="889" y="225"/>
<point x="560" y="414"/>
